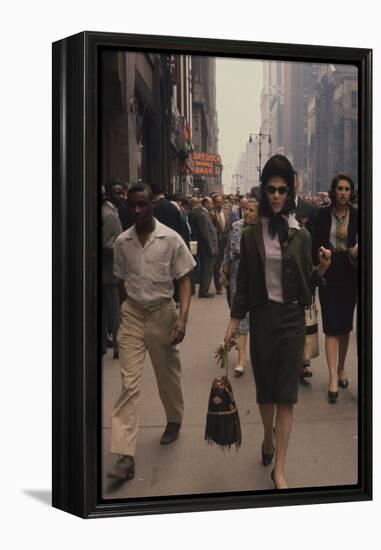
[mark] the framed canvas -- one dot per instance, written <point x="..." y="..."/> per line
<point x="200" y="119"/>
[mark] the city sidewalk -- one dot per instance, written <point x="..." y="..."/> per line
<point x="323" y="446"/>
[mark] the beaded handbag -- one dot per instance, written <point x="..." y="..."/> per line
<point x="223" y="426"/>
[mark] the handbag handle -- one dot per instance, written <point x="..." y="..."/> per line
<point x="225" y="358"/>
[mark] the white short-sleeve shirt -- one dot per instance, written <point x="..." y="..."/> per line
<point x="148" y="272"/>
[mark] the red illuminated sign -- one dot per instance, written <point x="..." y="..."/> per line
<point x="206" y="164"/>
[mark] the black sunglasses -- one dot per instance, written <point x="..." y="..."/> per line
<point x="281" y="190"/>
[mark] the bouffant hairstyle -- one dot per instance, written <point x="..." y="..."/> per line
<point x="334" y="184"/>
<point x="277" y="166"/>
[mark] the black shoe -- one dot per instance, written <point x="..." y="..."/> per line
<point x="343" y="383"/>
<point x="170" y="434"/>
<point x="123" y="469"/>
<point x="306" y="373"/>
<point x="267" y="458"/>
<point x="332" y="396"/>
<point x="208" y="295"/>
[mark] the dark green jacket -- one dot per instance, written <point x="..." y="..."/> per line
<point x="298" y="275"/>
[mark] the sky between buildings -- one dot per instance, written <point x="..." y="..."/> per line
<point x="238" y="92"/>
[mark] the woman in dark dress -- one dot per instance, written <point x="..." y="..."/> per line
<point x="336" y="229"/>
<point x="274" y="282"/>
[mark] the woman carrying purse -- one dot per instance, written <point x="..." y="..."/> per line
<point x="274" y="283"/>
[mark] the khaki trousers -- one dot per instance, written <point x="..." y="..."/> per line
<point x="143" y="329"/>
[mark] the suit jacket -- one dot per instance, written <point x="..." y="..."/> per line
<point x="342" y="268"/>
<point x="125" y="216"/>
<point x="168" y="214"/>
<point x="192" y="218"/>
<point x="111" y="229"/>
<point x="207" y="233"/>
<point x="305" y="210"/>
<point x="298" y="275"/>
<point x="322" y="234"/>
<point x="228" y="223"/>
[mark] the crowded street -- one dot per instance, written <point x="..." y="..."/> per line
<point x="229" y="229"/>
<point x="323" y="445"/>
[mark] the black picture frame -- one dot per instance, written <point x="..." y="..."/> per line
<point x="76" y="384"/>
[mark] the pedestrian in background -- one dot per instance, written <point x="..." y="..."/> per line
<point x="274" y="283"/>
<point x="207" y="247"/>
<point x="222" y="223"/>
<point x="111" y="229"/>
<point x="306" y="215"/>
<point x="185" y="208"/>
<point x="230" y="270"/>
<point x="116" y="194"/>
<point x="337" y="229"/>
<point x="147" y="257"/>
<point x="193" y="223"/>
<point x="165" y="211"/>
<point x="242" y="207"/>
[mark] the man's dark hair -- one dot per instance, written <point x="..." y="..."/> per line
<point x="156" y="189"/>
<point x="204" y="201"/>
<point x="110" y="184"/>
<point x="139" y="188"/>
<point x="334" y="183"/>
<point x="185" y="202"/>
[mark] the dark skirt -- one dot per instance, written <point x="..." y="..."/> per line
<point x="338" y="297"/>
<point x="276" y="350"/>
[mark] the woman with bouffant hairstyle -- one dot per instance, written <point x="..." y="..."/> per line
<point x="336" y="229"/>
<point x="274" y="283"/>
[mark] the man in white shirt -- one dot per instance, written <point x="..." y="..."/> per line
<point x="147" y="258"/>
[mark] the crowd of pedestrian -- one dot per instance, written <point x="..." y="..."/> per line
<point x="270" y="250"/>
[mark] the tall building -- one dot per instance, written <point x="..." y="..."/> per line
<point x="300" y="80"/>
<point x="252" y="165"/>
<point x="310" y="110"/>
<point x="146" y="113"/>
<point x="272" y="102"/>
<point x="206" y="177"/>
<point x="333" y="126"/>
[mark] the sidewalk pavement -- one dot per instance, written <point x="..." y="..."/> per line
<point x="323" y="446"/>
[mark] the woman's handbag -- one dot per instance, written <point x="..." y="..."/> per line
<point x="311" y="341"/>
<point x="223" y="426"/>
